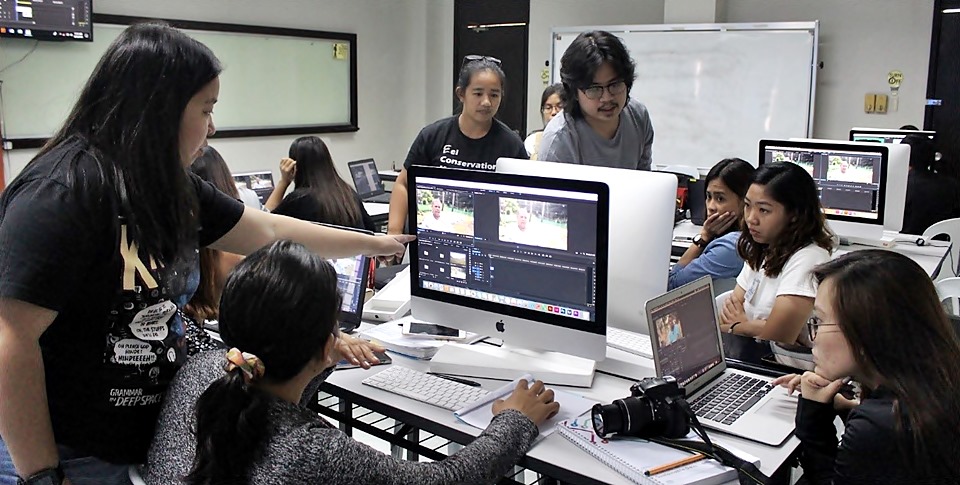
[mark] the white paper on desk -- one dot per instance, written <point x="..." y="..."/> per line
<point x="479" y="413"/>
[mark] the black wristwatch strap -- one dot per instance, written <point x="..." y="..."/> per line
<point x="47" y="476"/>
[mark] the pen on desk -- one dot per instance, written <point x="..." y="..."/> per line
<point x="456" y="379"/>
<point x="677" y="464"/>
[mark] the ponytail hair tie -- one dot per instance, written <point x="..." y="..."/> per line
<point x="251" y="365"/>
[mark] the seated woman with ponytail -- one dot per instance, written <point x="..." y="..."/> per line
<point x="234" y="417"/>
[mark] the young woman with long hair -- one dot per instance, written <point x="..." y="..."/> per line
<point x="878" y="320"/>
<point x="714" y="251"/>
<point x="785" y="237"/>
<point x="235" y="418"/>
<point x="98" y="237"/>
<point x="320" y="194"/>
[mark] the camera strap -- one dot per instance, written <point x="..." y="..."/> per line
<point x="747" y="472"/>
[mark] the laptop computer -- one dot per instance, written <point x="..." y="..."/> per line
<point x="352" y="276"/>
<point x="687" y="345"/>
<point x="367" y="181"/>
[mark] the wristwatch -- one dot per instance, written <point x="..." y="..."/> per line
<point x="698" y="240"/>
<point x="47" y="476"/>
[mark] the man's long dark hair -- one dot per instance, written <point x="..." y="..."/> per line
<point x="128" y="119"/>
<point x="582" y="60"/>
<point x="794" y="188"/>
<point x="888" y="310"/>
<point x="337" y="201"/>
<point x="281" y="304"/>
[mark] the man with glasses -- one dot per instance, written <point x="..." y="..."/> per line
<point x="601" y="125"/>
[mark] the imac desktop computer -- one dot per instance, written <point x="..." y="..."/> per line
<point x="521" y="259"/>
<point x="862" y="186"/>
<point x="882" y="135"/>
<point x="642" y="210"/>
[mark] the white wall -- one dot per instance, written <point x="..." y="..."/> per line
<point x="548" y="14"/>
<point x="392" y="70"/>
<point x="860" y="42"/>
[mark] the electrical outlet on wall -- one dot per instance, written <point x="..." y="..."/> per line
<point x="880" y="106"/>
<point x="869" y="103"/>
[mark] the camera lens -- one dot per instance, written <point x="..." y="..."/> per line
<point x="627" y="416"/>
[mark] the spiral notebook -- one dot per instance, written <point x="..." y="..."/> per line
<point x="631" y="457"/>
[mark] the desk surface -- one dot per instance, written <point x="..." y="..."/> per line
<point x="554" y="455"/>
<point x="929" y="257"/>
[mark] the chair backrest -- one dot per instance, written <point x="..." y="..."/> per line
<point x="951" y="228"/>
<point x="948" y="289"/>
<point x="721" y="298"/>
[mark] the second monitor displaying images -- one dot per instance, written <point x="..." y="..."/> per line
<point x="533" y="223"/>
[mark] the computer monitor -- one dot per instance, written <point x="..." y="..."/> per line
<point x="881" y="135"/>
<point x="260" y="182"/>
<point x="853" y="182"/>
<point x="47" y="20"/>
<point x="642" y="206"/>
<point x="522" y="259"/>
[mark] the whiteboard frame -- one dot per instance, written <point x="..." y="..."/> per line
<point x="812" y="26"/>
<point x="350" y="125"/>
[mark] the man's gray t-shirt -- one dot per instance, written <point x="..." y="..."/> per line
<point x="571" y="140"/>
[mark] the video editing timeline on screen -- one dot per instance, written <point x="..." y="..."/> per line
<point x="848" y="182"/>
<point x="686" y="336"/>
<point x="535" y="252"/>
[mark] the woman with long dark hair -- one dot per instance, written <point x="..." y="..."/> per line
<point x="320" y="194"/>
<point x="714" y="251"/>
<point x="785" y="237"/>
<point x="878" y="320"/>
<point x="98" y="237"/>
<point x="235" y="419"/>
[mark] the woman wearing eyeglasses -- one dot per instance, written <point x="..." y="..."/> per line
<point x="472" y="139"/>
<point x="878" y="320"/>
<point x="601" y="124"/>
<point x="550" y="104"/>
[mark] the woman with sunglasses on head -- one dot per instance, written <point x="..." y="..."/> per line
<point x="878" y="320"/>
<point x="601" y="124"/>
<point x="785" y="237"/>
<point x="550" y="104"/>
<point x="232" y="417"/>
<point x="473" y="139"/>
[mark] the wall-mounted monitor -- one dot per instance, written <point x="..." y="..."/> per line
<point x="47" y="19"/>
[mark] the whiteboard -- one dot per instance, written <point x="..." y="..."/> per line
<point x="714" y="90"/>
<point x="268" y="81"/>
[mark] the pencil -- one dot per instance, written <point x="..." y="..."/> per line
<point x="677" y="464"/>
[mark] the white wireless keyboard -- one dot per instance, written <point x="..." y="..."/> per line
<point x="633" y="343"/>
<point x="425" y="388"/>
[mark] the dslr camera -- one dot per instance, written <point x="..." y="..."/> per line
<point x="652" y="410"/>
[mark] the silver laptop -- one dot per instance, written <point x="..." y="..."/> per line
<point x="686" y="345"/>
<point x="367" y="181"/>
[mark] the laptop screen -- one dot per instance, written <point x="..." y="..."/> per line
<point x="350" y="275"/>
<point x="684" y="329"/>
<point x="366" y="179"/>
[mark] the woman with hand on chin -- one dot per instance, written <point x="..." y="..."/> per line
<point x="786" y="237"/>
<point x="714" y="251"/>
<point x="878" y="320"/>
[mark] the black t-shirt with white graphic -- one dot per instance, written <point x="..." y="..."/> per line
<point x="442" y="144"/>
<point x="117" y="339"/>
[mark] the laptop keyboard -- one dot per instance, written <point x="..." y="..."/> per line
<point x="425" y="387"/>
<point x="634" y="343"/>
<point x="734" y="395"/>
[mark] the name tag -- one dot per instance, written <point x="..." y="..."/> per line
<point x="752" y="290"/>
